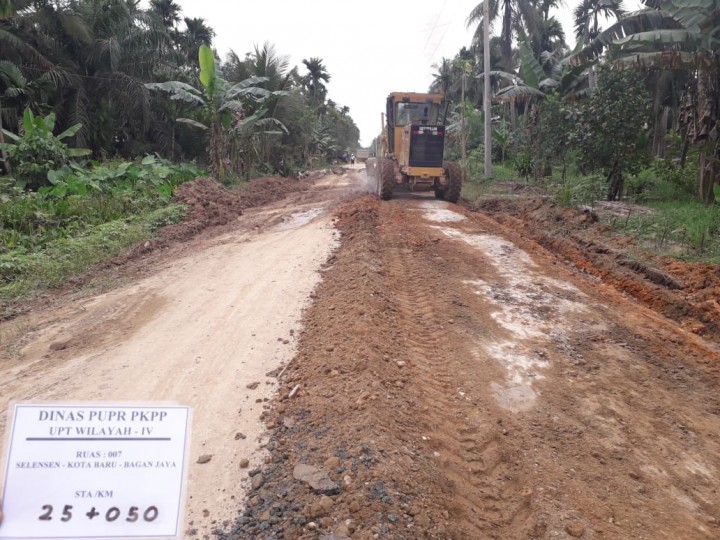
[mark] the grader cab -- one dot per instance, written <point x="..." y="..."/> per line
<point x="413" y="143"/>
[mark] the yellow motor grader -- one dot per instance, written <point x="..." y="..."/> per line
<point x="413" y="142"/>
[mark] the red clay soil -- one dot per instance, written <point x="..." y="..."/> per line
<point x="683" y="291"/>
<point x="396" y="396"/>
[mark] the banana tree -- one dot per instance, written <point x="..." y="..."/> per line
<point x="680" y="35"/>
<point x="36" y="151"/>
<point x="225" y="109"/>
<point x="537" y="80"/>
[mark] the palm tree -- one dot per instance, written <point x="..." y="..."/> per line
<point x="516" y="16"/>
<point x="265" y="62"/>
<point x="315" y="79"/>
<point x="544" y="7"/>
<point x="587" y="14"/>
<point x="167" y="11"/>
<point x="550" y="39"/>
<point x="196" y="33"/>
<point x="443" y="78"/>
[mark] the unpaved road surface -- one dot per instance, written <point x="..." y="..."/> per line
<point x="450" y="377"/>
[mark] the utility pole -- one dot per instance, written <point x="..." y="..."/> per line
<point x="463" y="133"/>
<point x="487" y="106"/>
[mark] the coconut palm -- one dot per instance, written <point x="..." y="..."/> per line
<point x="196" y="33"/>
<point x="443" y="78"/>
<point x="167" y="11"/>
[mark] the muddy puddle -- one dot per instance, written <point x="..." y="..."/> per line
<point x="527" y="305"/>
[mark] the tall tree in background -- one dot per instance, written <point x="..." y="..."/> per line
<point x="168" y="12"/>
<point x="443" y="78"/>
<point x="587" y="16"/>
<point x="516" y="17"/>
<point x="316" y="78"/>
<point x="196" y="34"/>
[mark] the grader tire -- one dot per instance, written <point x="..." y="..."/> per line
<point x="386" y="178"/>
<point x="454" y="185"/>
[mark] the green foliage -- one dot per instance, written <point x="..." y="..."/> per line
<point x="524" y="166"/>
<point x="578" y="190"/>
<point x="37" y="151"/>
<point x="609" y="128"/>
<point x="669" y="178"/>
<point x="684" y="228"/>
<point x="22" y="271"/>
<point x="83" y="216"/>
<point x="78" y="199"/>
<point x="550" y="136"/>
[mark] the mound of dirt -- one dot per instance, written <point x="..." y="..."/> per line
<point x="211" y="204"/>
<point x="351" y="362"/>
<point x="685" y="292"/>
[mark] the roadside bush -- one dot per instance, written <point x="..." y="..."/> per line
<point x="79" y="198"/>
<point x="37" y="151"/>
<point x="664" y="181"/>
<point x="578" y="190"/>
<point x="524" y="166"/>
<point x="23" y="270"/>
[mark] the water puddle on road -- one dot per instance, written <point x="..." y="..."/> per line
<point x="439" y="213"/>
<point x="528" y="304"/>
<point x="298" y="219"/>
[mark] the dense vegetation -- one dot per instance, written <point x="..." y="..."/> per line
<point x="632" y="113"/>
<point x="106" y="106"/>
<point x="89" y="62"/>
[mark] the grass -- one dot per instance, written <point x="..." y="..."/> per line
<point x="476" y="185"/>
<point x="22" y="274"/>
<point x="685" y="229"/>
<point x="680" y="227"/>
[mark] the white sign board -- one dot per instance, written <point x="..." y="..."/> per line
<point x="95" y="471"/>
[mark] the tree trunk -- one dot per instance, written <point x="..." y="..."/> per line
<point x="709" y="169"/>
<point x="707" y="131"/>
<point x="615" y="183"/>
<point x="6" y="163"/>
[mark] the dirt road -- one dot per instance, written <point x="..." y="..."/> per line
<point x="451" y="377"/>
<point x="203" y="329"/>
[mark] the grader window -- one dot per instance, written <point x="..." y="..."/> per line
<point x="423" y="113"/>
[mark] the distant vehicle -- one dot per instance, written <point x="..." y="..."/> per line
<point x="362" y="154"/>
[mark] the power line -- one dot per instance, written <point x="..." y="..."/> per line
<point x="432" y="30"/>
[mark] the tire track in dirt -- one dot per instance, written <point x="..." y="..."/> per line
<point x="413" y="341"/>
<point x="470" y="458"/>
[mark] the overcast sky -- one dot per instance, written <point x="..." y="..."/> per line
<point x="370" y="48"/>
